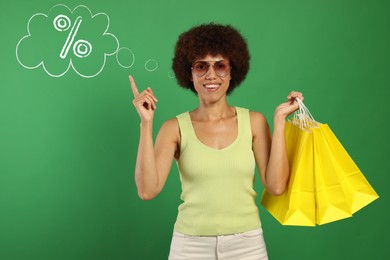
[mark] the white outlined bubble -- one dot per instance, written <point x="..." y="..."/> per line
<point x="151" y="65"/>
<point x="62" y="23"/>
<point x="127" y="57"/>
<point x="171" y="75"/>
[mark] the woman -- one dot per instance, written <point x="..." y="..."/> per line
<point x="216" y="146"/>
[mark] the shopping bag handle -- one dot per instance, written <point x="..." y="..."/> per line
<point x="302" y="118"/>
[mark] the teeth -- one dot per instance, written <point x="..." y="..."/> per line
<point x="211" y="86"/>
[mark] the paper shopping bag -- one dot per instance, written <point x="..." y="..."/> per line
<point x="345" y="185"/>
<point x="325" y="184"/>
<point x="333" y="193"/>
<point x="296" y="206"/>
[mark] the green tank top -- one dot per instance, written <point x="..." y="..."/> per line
<point x="217" y="185"/>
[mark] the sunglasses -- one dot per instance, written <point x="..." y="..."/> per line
<point x="221" y="68"/>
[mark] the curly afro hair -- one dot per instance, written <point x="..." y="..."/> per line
<point x="211" y="39"/>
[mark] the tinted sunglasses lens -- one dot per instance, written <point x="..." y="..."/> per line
<point x="200" y="68"/>
<point x="222" y="68"/>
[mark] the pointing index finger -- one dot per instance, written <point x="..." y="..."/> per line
<point x="133" y="86"/>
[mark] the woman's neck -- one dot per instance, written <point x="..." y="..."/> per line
<point x="215" y="111"/>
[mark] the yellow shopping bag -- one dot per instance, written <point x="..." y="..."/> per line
<point x="296" y="206"/>
<point x="333" y="193"/>
<point x="325" y="184"/>
<point x="341" y="188"/>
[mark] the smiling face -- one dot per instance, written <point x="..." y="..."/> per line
<point x="215" y="81"/>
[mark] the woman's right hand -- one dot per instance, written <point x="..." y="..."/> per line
<point x="144" y="102"/>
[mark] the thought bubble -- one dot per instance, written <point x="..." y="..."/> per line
<point x="64" y="39"/>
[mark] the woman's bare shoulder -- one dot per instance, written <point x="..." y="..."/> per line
<point x="259" y="123"/>
<point x="170" y="128"/>
<point x="257" y="118"/>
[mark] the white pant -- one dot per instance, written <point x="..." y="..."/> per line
<point x="243" y="246"/>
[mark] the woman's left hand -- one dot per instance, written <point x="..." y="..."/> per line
<point x="288" y="107"/>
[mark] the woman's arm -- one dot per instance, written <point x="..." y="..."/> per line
<point x="270" y="153"/>
<point x="153" y="161"/>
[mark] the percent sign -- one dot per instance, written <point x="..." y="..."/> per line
<point x="81" y="48"/>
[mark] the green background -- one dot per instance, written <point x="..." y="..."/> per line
<point x="68" y="144"/>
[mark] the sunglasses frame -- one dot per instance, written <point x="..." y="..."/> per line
<point x="209" y="64"/>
